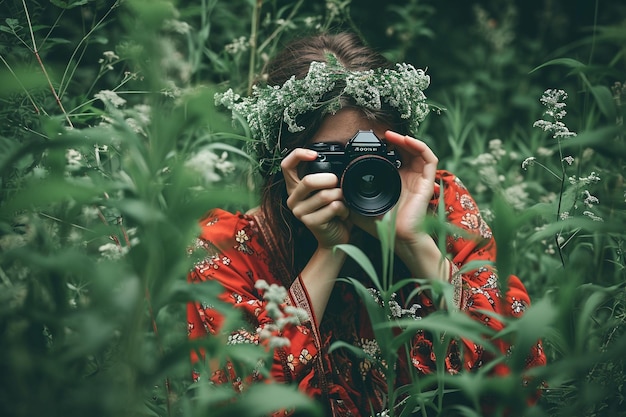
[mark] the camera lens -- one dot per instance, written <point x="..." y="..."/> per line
<point x="371" y="185"/>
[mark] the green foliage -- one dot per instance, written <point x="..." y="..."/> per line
<point x="111" y="149"/>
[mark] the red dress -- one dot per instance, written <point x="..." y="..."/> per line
<point x="240" y="252"/>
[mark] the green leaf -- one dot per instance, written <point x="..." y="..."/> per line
<point x="42" y="193"/>
<point x="261" y="400"/>
<point x="139" y="211"/>
<point x="361" y="258"/>
<point x="69" y="4"/>
<point x="567" y="62"/>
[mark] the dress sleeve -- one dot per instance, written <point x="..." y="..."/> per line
<point x="478" y="290"/>
<point x="232" y="253"/>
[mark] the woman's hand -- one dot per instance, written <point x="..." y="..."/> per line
<point x="419" y="166"/>
<point x="417" y="173"/>
<point x="316" y="200"/>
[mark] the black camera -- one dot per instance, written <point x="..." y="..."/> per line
<point x="367" y="172"/>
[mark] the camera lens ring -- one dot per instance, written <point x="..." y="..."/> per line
<point x="371" y="185"/>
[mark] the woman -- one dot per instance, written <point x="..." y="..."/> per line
<point x="321" y="90"/>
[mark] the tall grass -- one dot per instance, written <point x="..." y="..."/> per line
<point x="111" y="149"/>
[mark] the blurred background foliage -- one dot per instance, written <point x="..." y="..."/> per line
<point x="111" y="148"/>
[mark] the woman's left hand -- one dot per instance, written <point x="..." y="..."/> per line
<point x="419" y="165"/>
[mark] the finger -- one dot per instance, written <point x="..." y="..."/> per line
<point x="412" y="146"/>
<point x="308" y="185"/>
<point x="326" y="214"/>
<point x="315" y="202"/>
<point x="290" y="163"/>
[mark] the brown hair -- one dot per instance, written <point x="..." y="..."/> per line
<point x="295" y="243"/>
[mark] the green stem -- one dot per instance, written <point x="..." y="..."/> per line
<point x="256" y="13"/>
<point x="43" y="67"/>
<point x="558" y="210"/>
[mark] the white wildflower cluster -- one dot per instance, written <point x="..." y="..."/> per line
<point x="138" y="118"/>
<point x="177" y="26"/>
<point x="592" y="178"/>
<point x="530" y="161"/>
<point x="209" y="165"/>
<point x="590" y="200"/>
<point x="116" y="250"/>
<point x="110" y="98"/>
<point x="241" y="44"/>
<point x="283" y="315"/>
<point x="269" y="107"/>
<point x="487" y="164"/>
<point x="517" y="196"/>
<point x="108" y="59"/>
<point x="74" y="160"/>
<point x="555" y="109"/>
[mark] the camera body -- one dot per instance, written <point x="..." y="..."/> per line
<point x="367" y="171"/>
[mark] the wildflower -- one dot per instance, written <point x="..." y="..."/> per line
<point x="113" y="251"/>
<point x="269" y="107"/>
<point x="592" y="216"/>
<point x="564" y="215"/>
<point x="543" y="151"/>
<point x="555" y="110"/>
<point x="108" y="58"/>
<point x="74" y="159"/>
<point x="110" y="97"/>
<point x="177" y="26"/>
<point x="209" y="166"/>
<point x="310" y="21"/>
<point x="516" y="195"/>
<point x="495" y="146"/>
<point x="275" y="296"/>
<point x="530" y="161"/>
<point x="590" y="200"/>
<point x="484" y="159"/>
<point x="238" y="45"/>
<point x="90" y="212"/>
<point x="569" y="160"/>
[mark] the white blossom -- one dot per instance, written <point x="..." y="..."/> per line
<point x="110" y="98"/>
<point x="267" y="108"/>
<point x="530" y="161"/>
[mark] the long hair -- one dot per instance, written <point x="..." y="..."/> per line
<point x="293" y="240"/>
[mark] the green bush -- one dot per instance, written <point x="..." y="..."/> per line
<point x="107" y="111"/>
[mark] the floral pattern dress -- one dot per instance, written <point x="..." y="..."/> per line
<point x="239" y="252"/>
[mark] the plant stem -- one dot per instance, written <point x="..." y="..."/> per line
<point x="558" y="209"/>
<point x="43" y="68"/>
<point x="256" y="15"/>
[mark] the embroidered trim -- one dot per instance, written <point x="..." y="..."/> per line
<point x="457" y="283"/>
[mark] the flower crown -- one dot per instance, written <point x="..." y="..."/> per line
<point x="268" y="107"/>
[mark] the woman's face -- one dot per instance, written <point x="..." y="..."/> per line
<point x="344" y="124"/>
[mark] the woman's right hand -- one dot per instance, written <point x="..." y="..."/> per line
<point x="316" y="200"/>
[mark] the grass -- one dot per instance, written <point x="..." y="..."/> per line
<point x="105" y="103"/>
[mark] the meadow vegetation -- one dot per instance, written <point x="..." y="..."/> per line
<point x="111" y="148"/>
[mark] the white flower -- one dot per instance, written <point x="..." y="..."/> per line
<point x="590" y="200"/>
<point x="74" y="159"/>
<point x="555" y="110"/>
<point x="267" y="108"/>
<point x="209" y="165"/>
<point x="109" y="97"/>
<point x="530" y="161"/>
<point x="238" y="45"/>
<point x="113" y="251"/>
<point x="593" y="216"/>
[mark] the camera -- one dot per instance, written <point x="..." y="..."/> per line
<point x="367" y="171"/>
